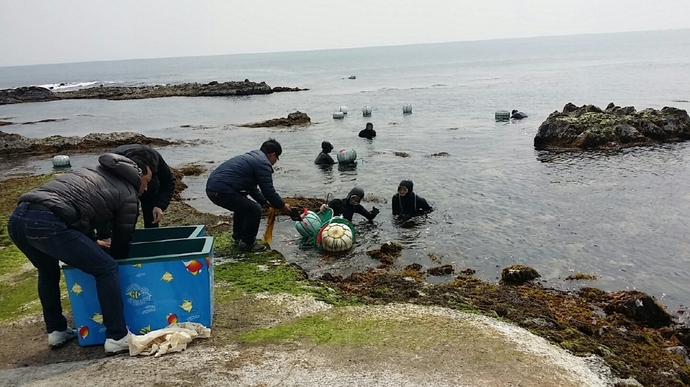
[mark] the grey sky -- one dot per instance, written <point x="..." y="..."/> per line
<point x="55" y="31"/>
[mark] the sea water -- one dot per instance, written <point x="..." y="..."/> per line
<point x="622" y="216"/>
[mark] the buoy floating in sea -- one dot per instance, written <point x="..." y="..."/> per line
<point x="347" y="156"/>
<point x="61" y="161"/>
<point x="343" y="109"/>
<point x="338" y="115"/>
<point x="366" y="111"/>
<point x="502" y="115"/>
<point x="407" y="108"/>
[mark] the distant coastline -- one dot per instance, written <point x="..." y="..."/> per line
<point x="211" y="89"/>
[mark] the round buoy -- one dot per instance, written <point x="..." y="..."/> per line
<point x="309" y="225"/>
<point x="336" y="237"/>
<point x="407" y="108"/>
<point x="343" y="109"/>
<point x="346" y="156"/>
<point x="61" y="161"/>
<point x="366" y="111"/>
<point x="502" y="115"/>
<point x="338" y="115"/>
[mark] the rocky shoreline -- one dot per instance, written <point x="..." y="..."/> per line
<point x="12" y="144"/>
<point x="591" y="128"/>
<point x="211" y="89"/>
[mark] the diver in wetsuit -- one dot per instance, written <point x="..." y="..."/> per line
<point x="407" y="203"/>
<point x="350" y="205"/>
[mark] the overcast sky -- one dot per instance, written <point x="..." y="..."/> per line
<point x="56" y="31"/>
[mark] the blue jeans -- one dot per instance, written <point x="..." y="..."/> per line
<point x="45" y="239"/>
<point x="246" y="215"/>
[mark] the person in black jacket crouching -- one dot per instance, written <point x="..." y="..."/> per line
<point x="249" y="174"/>
<point x="157" y="197"/>
<point x="52" y="223"/>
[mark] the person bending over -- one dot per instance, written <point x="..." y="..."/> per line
<point x="350" y="205"/>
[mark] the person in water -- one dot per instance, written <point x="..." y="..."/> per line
<point x="408" y="203"/>
<point x="350" y="205"/>
<point x="324" y="158"/>
<point x="368" y="132"/>
<point x="516" y="115"/>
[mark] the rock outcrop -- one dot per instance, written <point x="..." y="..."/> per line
<point x="211" y="89"/>
<point x="26" y="94"/>
<point x="295" y="118"/>
<point x="15" y="144"/>
<point x="590" y="128"/>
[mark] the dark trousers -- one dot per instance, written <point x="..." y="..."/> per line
<point x="246" y="214"/>
<point x="45" y="239"/>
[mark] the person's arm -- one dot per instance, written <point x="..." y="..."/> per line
<point x="123" y="227"/>
<point x="369" y="215"/>
<point x="337" y="206"/>
<point x="264" y="176"/>
<point x="395" y="204"/>
<point x="422" y="205"/>
<point x="257" y="196"/>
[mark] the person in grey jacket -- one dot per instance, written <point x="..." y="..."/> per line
<point x="249" y="174"/>
<point x="52" y="223"/>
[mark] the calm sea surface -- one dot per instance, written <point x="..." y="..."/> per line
<point x="621" y="216"/>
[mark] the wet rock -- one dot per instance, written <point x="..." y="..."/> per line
<point x="3" y="123"/>
<point x="212" y="89"/>
<point x="328" y="277"/>
<point x="441" y="270"/>
<point x="192" y="170"/>
<point x="280" y="89"/>
<point x="518" y="274"/>
<point x="295" y="118"/>
<point x="388" y="252"/>
<point x="302" y="274"/>
<point x="590" y="128"/>
<point x="468" y="271"/>
<point x="15" y="144"/>
<point x="639" y="307"/>
<point x="414" y="267"/>
<point x="26" y="94"/>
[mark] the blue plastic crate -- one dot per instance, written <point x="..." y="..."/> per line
<point x="163" y="282"/>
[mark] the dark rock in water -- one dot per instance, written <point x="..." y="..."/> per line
<point x="3" y="123"/>
<point x="26" y="94"/>
<point x="212" y="89"/>
<point x="15" y="144"/>
<point x="441" y="270"/>
<point x="639" y="307"/>
<point x="414" y="267"/>
<point x="590" y="128"/>
<point x="295" y="118"/>
<point x="518" y="274"/>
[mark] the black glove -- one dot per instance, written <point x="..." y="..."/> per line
<point x="295" y="214"/>
<point x="374" y="211"/>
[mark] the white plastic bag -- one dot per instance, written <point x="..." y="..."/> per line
<point x="173" y="338"/>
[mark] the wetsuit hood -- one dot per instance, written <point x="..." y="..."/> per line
<point x="407" y="184"/>
<point x="355" y="191"/>
<point x="326" y="147"/>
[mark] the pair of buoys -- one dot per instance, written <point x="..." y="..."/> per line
<point x="334" y="234"/>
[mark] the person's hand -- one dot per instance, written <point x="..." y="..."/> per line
<point x="103" y="243"/>
<point x="157" y="215"/>
<point x="374" y="211"/>
<point x="295" y="214"/>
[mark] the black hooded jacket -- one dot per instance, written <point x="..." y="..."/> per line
<point x="90" y="198"/>
<point x="324" y="158"/>
<point x="162" y="185"/>
<point x="347" y="210"/>
<point x="411" y="204"/>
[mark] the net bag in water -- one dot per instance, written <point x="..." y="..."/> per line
<point x="309" y="225"/>
<point x="347" y="156"/>
<point x="336" y="236"/>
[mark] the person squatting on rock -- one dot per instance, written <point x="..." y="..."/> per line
<point x="368" y="132"/>
<point x="350" y="205"/>
<point x="407" y="203"/>
<point x="52" y="223"/>
<point x="324" y="158"/>
<point x="249" y="174"/>
<point x="160" y="191"/>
